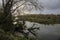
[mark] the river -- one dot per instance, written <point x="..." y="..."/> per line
<point x="46" y="32"/>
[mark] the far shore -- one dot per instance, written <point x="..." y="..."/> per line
<point x="41" y="18"/>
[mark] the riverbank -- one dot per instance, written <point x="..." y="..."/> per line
<point x="41" y="18"/>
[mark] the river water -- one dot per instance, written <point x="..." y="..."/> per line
<point x="46" y="32"/>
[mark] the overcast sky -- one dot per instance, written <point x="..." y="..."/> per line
<point x="51" y="6"/>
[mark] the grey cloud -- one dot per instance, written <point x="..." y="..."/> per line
<point x="51" y="4"/>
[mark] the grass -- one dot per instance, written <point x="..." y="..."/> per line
<point x="41" y="18"/>
<point x="10" y="36"/>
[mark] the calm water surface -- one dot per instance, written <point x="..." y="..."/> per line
<point x="46" y="32"/>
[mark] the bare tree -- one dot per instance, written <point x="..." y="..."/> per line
<point x="8" y="6"/>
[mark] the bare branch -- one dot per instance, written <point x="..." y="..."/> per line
<point x="32" y="32"/>
<point x="17" y="7"/>
<point x="3" y="3"/>
<point x="36" y="6"/>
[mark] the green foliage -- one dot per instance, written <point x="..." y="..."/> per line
<point x="10" y="36"/>
<point x="41" y="18"/>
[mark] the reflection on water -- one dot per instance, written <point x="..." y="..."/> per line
<point x="46" y="32"/>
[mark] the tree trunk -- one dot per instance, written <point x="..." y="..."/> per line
<point x="7" y="18"/>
